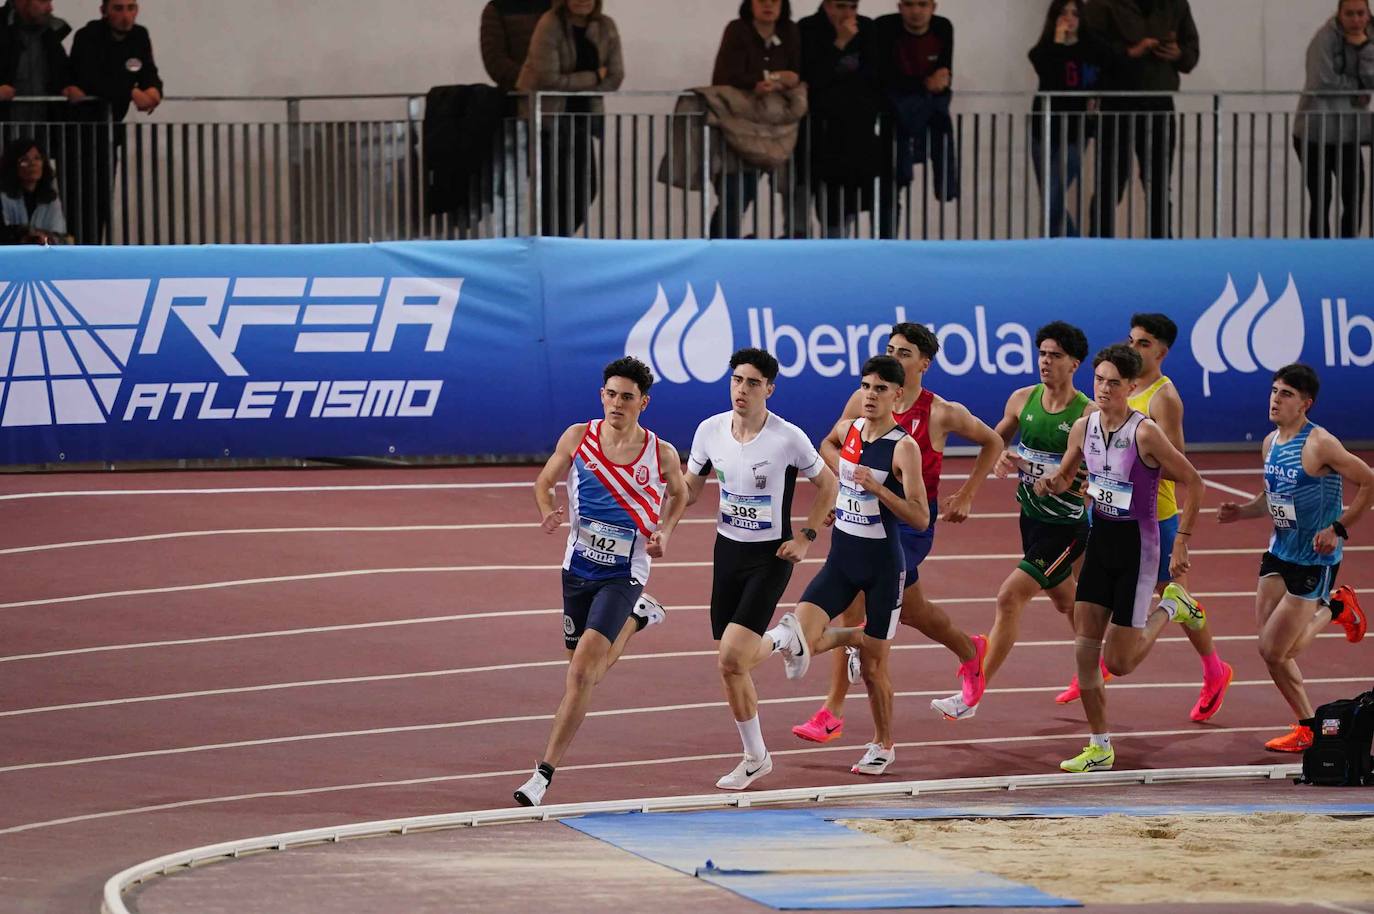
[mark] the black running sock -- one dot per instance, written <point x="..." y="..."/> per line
<point x="1337" y="607"/>
<point x="640" y="621"/>
<point x="546" y="770"/>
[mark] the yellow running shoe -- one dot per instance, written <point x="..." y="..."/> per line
<point x="1185" y="609"/>
<point x="1092" y="758"/>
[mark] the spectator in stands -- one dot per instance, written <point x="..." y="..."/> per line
<point x="915" y="62"/>
<point x="33" y="63"/>
<point x="1150" y="42"/>
<point x="507" y="26"/>
<point x="760" y="53"/>
<point x="1328" y="132"/>
<point x="842" y="149"/>
<point x="112" y="58"/>
<point x="1066" y="59"/>
<point x="575" y="48"/>
<point x="29" y="205"/>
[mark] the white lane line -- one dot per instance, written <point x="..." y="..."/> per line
<point x="1229" y="490"/>
<point x="620" y="712"/>
<point x="413" y="528"/>
<point x="454" y="569"/>
<point x="602" y="766"/>
<point x="389" y="487"/>
<point x="458" y="617"/>
<point x="463" y="671"/>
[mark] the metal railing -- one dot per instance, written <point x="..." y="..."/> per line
<point x="315" y="169"/>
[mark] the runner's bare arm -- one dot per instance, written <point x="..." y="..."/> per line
<point x="959" y="421"/>
<point x="1166" y="411"/>
<point x="913" y="510"/>
<point x="1228" y="512"/>
<point x="1155" y="445"/>
<point x="1060" y="480"/>
<point x="830" y="446"/>
<point x="1353" y="470"/>
<point x="555" y="469"/>
<point x="695" y="483"/>
<point x="795" y="549"/>
<point x="674" y="500"/>
<point x="1009" y="463"/>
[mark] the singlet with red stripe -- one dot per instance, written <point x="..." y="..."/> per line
<point x="916" y="422"/>
<point x="613" y="509"/>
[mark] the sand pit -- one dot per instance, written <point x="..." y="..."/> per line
<point x="1131" y="859"/>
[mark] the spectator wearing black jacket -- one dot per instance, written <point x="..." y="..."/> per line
<point x="1150" y="44"/>
<point x="1066" y="59"/>
<point x="914" y="58"/>
<point x="112" y="59"/>
<point x="843" y="153"/>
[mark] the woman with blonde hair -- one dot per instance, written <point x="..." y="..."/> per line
<point x="575" y="48"/>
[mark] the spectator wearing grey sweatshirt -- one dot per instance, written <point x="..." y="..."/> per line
<point x="1329" y="129"/>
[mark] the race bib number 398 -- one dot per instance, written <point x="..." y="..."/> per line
<point x="746" y="512"/>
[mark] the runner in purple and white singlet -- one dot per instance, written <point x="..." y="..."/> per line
<point x="1116" y="619"/>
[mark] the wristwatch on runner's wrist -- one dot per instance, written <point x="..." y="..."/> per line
<point x="809" y="534"/>
<point x="1340" y="530"/>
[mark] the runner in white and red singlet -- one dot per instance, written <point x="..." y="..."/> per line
<point x="625" y="496"/>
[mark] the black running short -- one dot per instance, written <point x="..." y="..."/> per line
<point x="1119" y="570"/>
<point x="1049" y="550"/>
<point x="748" y="581"/>
<point x="874" y="568"/>
<point x="1306" y="582"/>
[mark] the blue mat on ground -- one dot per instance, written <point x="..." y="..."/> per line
<point x="794" y="859"/>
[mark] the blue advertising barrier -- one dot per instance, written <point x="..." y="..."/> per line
<point x="493" y="347"/>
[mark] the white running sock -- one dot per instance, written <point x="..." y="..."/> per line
<point x="776" y="638"/>
<point x="1102" y="740"/>
<point x="752" y="738"/>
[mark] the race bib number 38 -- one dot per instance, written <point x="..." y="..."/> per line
<point x="605" y="544"/>
<point x="747" y="512"/>
<point x="1112" y="497"/>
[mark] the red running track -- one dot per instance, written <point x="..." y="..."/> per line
<point x="196" y="657"/>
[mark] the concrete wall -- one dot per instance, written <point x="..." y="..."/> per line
<point x="279" y="47"/>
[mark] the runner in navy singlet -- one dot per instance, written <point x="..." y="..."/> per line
<point x="930" y="420"/>
<point x="880" y="486"/>
<point x="625" y="496"/>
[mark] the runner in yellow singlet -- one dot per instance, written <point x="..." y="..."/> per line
<point x="1156" y="396"/>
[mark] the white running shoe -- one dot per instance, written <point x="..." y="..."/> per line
<point x="649" y="610"/>
<point x="746" y="773"/>
<point x="875" y="760"/>
<point x="853" y="667"/>
<point x="796" y="656"/>
<point x="531" y="793"/>
<point x="953" y="707"/>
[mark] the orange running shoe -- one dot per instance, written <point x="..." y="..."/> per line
<point x="1213" y="693"/>
<point x="1351" y="617"/>
<point x="1297" y="740"/>
<point x="1071" y="693"/>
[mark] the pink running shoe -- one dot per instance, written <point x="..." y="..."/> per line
<point x="971" y="676"/>
<point x="821" y="728"/>
<point x="1071" y="693"/>
<point x="1213" y="694"/>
